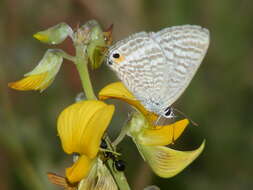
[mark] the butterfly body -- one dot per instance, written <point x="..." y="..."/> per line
<point x="158" y="66"/>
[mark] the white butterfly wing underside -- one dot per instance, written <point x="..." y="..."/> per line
<point x="142" y="70"/>
<point x="159" y="66"/>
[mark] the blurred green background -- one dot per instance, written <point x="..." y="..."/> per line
<point x="219" y="98"/>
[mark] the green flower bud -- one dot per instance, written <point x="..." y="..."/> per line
<point x="91" y="38"/>
<point x="51" y="62"/>
<point x="55" y="34"/>
<point x="43" y="74"/>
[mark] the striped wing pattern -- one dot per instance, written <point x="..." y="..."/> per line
<point x="184" y="47"/>
<point x="157" y="67"/>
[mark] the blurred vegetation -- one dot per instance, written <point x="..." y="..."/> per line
<point x="219" y="98"/>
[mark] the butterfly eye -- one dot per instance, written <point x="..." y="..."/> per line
<point x="115" y="55"/>
<point x="168" y="111"/>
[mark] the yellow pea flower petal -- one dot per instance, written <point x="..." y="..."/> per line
<point x="32" y="82"/>
<point x="162" y="135"/>
<point x="117" y="90"/>
<point x="79" y="170"/>
<point x="166" y="162"/>
<point x="97" y="126"/>
<point x="82" y="125"/>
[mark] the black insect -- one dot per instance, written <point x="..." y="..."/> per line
<point x="103" y="144"/>
<point x="120" y="165"/>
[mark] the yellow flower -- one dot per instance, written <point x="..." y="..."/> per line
<point x="42" y="75"/>
<point x="151" y="141"/>
<point x="99" y="178"/>
<point x="80" y="128"/>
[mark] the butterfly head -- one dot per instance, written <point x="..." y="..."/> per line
<point x="115" y="58"/>
<point x="168" y="113"/>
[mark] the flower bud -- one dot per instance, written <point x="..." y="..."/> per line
<point x="55" y="34"/>
<point x="91" y="37"/>
<point x="43" y="74"/>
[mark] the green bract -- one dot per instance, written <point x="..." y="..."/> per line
<point x="96" y="47"/>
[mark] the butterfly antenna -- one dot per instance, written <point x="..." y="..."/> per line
<point x="183" y="114"/>
<point x="158" y="120"/>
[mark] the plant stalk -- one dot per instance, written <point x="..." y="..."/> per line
<point x="81" y="62"/>
<point x="118" y="176"/>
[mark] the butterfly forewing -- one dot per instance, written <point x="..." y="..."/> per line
<point x="142" y="70"/>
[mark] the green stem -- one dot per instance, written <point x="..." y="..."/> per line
<point x="118" y="176"/>
<point x="67" y="56"/>
<point x="81" y="62"/>
<point x="121" y="136"/>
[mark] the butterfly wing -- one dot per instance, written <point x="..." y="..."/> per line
<point x="142" y="69"/>
<point x="157" y="67"/>
<point x="184" y="47"/>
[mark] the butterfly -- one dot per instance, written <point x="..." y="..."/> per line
<point x="158" y="66"/>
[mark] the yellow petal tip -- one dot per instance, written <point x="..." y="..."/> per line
<point x="32" y="82"/>
<point x="79" y="170"/>
<point x="41" y="37"/>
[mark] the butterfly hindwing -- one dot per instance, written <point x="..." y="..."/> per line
<point x="185" y="47"/>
